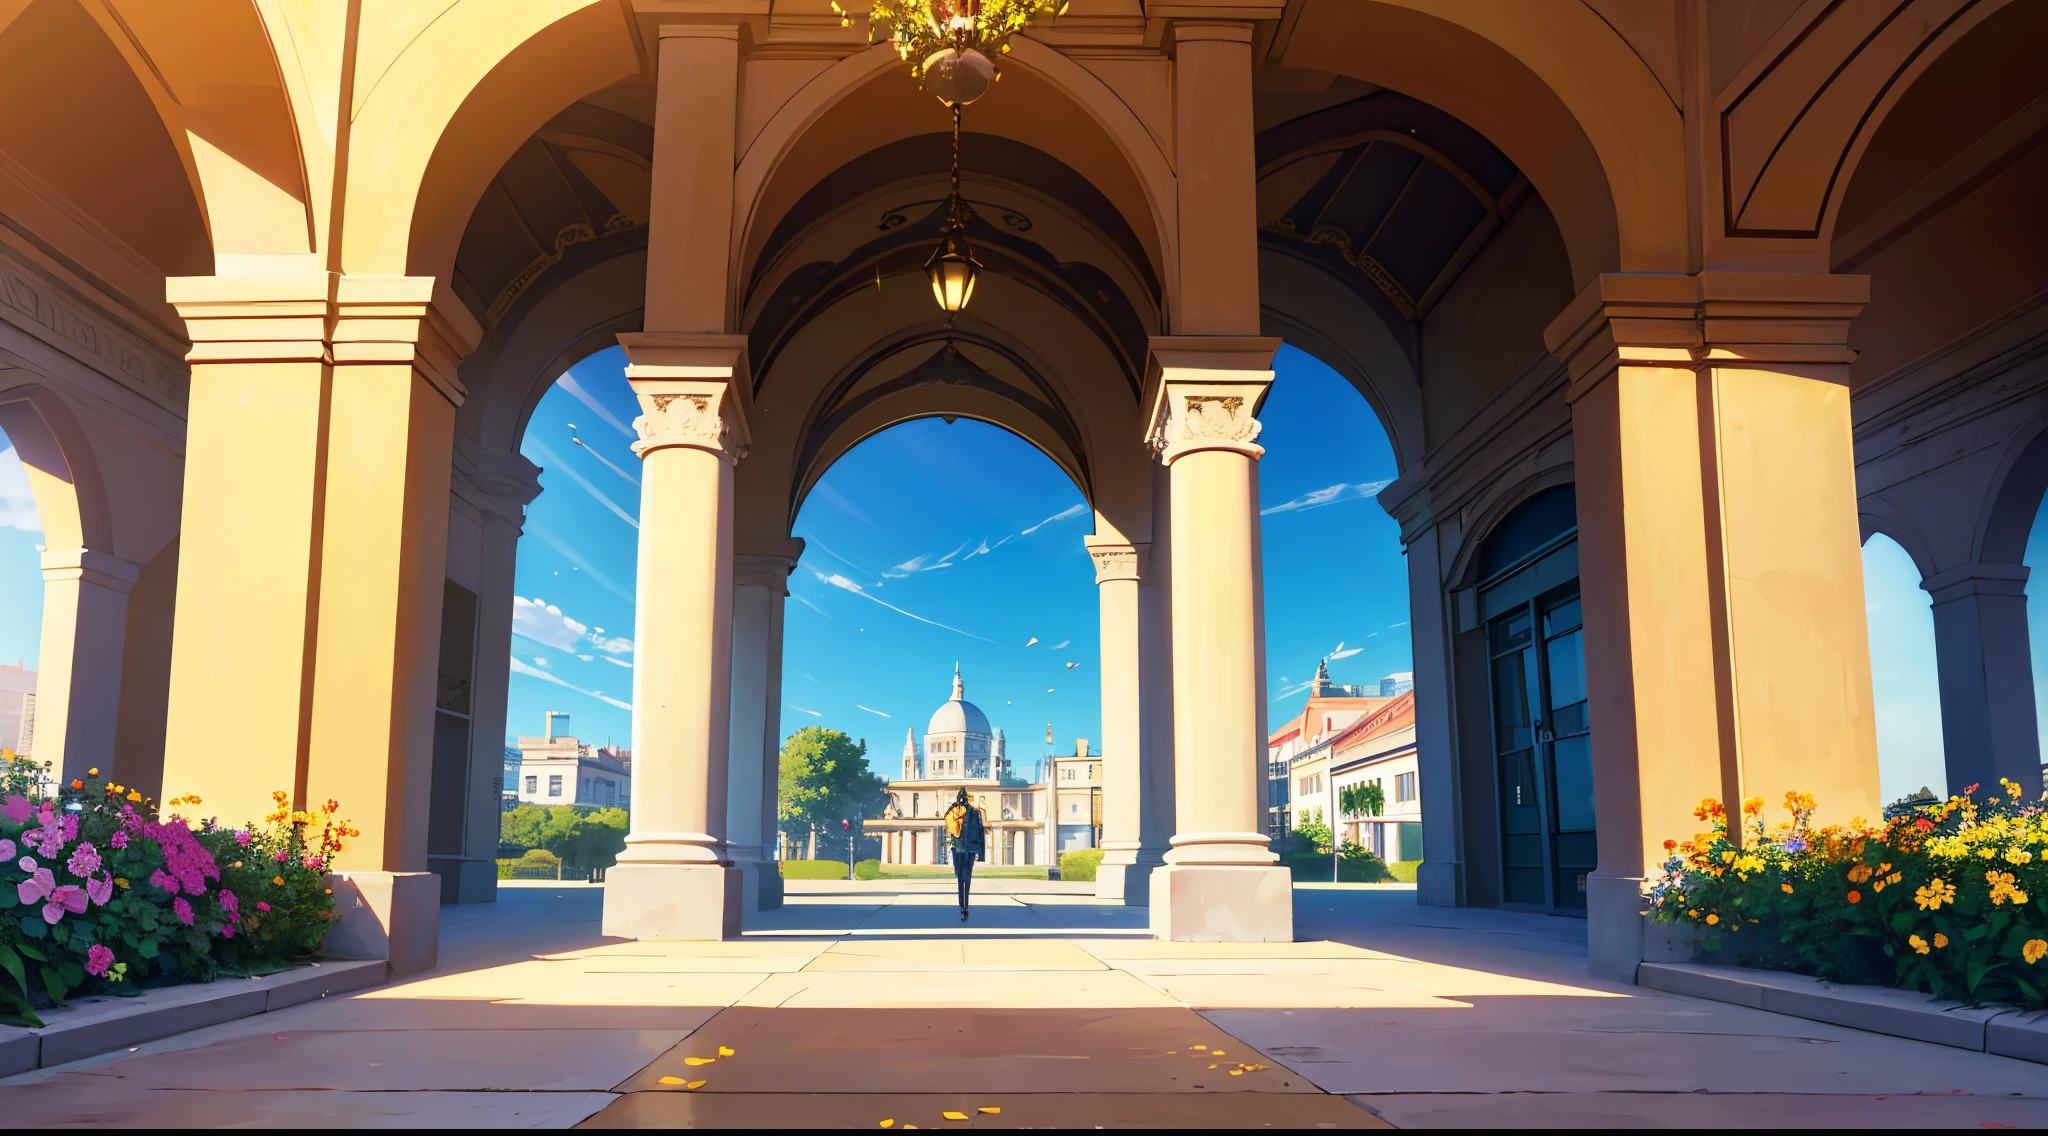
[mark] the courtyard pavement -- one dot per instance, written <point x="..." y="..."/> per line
<point x="871" y="1006"/>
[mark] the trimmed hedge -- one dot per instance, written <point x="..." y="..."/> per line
<point x="1403" y="871"/>
<point x="868" y="870"/>
<point x="814" y="869"/>
<point x="536" y="864"/>
<point x="1080" y="865"/>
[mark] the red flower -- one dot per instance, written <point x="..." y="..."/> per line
<point x="1855" y="896"/>
<point x="1924" y="825"/>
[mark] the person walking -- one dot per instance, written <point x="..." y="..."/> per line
<point x="968" y="828"/>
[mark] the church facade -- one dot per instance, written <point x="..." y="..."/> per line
<point x="960" y="751"/>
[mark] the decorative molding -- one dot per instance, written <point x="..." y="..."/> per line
<point x="1116" y="560"/>
<point x="706" y="419"/>
<point x="1201" y="391"/>
<point x="45" y="308"/>
<point x="771" y="572"/>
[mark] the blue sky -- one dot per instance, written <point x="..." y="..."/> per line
<point x="895" y="509"/>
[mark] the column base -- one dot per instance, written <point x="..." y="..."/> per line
<point x="465" y="879"/>
<point x="1439" y="883"/>
<point x="1617" y="930"/>
<point x="1211" y="904"/>
<point x="760" y="885"/>
<point x="672" y="901"/>
<point x="394" y="916"/>
<point x="1130" y="882"/>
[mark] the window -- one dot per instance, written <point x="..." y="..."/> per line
<point x="1067" y="773"/>
<point x="533" y="784"/>
<point x="611" y="793"/>
<point x="1404" y="787"/>
<point x="554" y="784"/>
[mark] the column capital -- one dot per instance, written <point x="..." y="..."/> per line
<point x="1976" y="580"/>
<point x="1656" y="319"/>
<point x="1116" y="559"/>
<point x="100" y="569"/>
<point x="1200" y="391"/>
<point x="770" y="571"/>
<point x="690" y="387"/>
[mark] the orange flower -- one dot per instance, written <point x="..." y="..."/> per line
<point x="1713" y="919"/>
<point x="77" y="783"/>
<point x="1787" y="888"/>
<point x="1940" y="940"/>
<point x="1752" y="805"/>
<point x="1854" y="896"/>
<point x="277" y="881"/>
<point x="1670" y="845"/>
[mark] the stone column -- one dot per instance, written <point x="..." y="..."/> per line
<point x="771" y="726"/>
<point x="1989" y="726"/>
<point x="759" y="580"/>
<point x="85" y="627"/>
<point x="1727" y="653"/>
<point x="1220" y="882"/>
<point x="1127" y="863"/>
<point x="672" y="881"/>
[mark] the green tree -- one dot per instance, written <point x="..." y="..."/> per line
<point x="1366" y="799"/>
<point x="825" y="779"/>
<point x="1312" y="828"/>
<point x="582" y="836"/>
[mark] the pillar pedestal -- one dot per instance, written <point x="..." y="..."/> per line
<point x="1211" y="903"/>
<point x="673" y="901"/>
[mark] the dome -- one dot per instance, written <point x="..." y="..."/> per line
<point x="957" y="715"/>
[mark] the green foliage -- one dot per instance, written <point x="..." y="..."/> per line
<point x="814" y="869"/>
<point x="868" y="870"/>
<point x="1356" y="864"/>
<point x="825" y="780"/>
<point x="1403" y="871"/>
<point x="1080" y="864"/>
<point x="1314" y="831"/>
<point x="1950" y="898"/>
<point x="581" y="836"/>
<point x="1366" y="799"/>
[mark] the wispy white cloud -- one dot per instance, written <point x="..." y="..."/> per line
<point x="803" y="710"/>
<point x="577" y="558"/>
<point x="845" y="584"/>
<point x="540" y="660"/>
<point x="1391" y="626"/>
<point x="521" y="668"/>
<point x="824" y="489"/>
<point x="1063" y="514"/>
<point x="616" y="662"/>
<point x="1338" y="652"/>
<point x="800" y="598"/>
<point x="544" y="623"/>
<point x="872" y="710"/>
<point x="602" y="460"/>
<point x="575" y="390"/>
<point x="1329" y="495"/>
<point x="547" y="456"/>
<point x="1290" y="691"/>
<point x="1060" y="644"/>
<point x="822" y="547"/>
<point x="17" y="501"/>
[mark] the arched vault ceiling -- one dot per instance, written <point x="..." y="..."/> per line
<point x="1389" y="195"/>
<point x="1036" y="222"/>
<point x="577" y="186"/>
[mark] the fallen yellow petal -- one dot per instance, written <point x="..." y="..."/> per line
<point x="889" y="1123"/>
<point x="1198" y="1048"/>
<point x="671" y="1080"/>
<point x="954" y="1115"/>
<point x="724" y="1051"/>
<point x="1171" y="1052"/>
<point x="1215" y="1053"/>
<point x="696" y="1084"/>
<point x="1212" y="1066"/>
<point x="1237" y="1072"/>
<point x="992" y="1110"/>
<point x="698" y="1060"/>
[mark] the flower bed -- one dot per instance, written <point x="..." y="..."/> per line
<point x="1950" y="899"/>
<point x="97" y="895"/>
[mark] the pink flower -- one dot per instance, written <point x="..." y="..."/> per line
<point x="183" y="910"/>
<point x="84" y="862"/>
<point x="262" y="906"/>
<point x="17" y="809"/>
<point x="7" y="849"/>
<point x="160" y="878"/>
<point x="70" y="898"/>
<point x="243" y="838"/>
<point x="227" y="930"/>
<point x="27" y="863"/>
<point x="229" y="903"/>
<point x="39" y="883"/>
<point x="283" y="856"/>
<point x="100" y="888"/>
<point x="98" y="959"/>
<point x="119" y="840"/>
<point x="312" y="863"/>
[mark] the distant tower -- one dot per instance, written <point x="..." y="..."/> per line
<point x="959" y="690"/>
<point x="1002" y="760"/>
<point x="1322" y="687"/>
<point x="910" y="753"/>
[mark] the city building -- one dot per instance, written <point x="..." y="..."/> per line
<point x="18" y="708"/>
<point x="1331" y="708"/>
<point x="558" y="769"/>
<point x="508" y="780"/>
<point x="961" y="751"/>
<point x="1074" y="782"/>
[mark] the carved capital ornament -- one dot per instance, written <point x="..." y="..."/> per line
<point x="1201" y="392"/>
<point x="699" y="415"/>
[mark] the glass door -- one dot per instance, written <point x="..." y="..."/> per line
<point x="1542" y="735"/>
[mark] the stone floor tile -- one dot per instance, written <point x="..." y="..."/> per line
<point x="977" y="1050"/>
<point x="406" y="1059"/>
<point x="1650" y="1044"/>
<point x="1794" y="1111"/>
<point x="1119" y="949"/>
<point x="581" y="983"/>
<point x="917" y="955"/>
<point x="970" y="989"/>
<point x="66" y="1106"/>
<point x="1360" y="983"/>
<point x="1018" y="1110"/>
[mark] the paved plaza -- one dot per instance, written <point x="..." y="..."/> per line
<point x="869" y="1005"/>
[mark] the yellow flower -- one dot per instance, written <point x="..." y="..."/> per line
<point x="1713" y="919"/>
<point x="1934" y="894"/>
<point x="1752" y="805"/>
<point x="1859" y="873"/>
<point x="2003" y="889"/>
<point x="2035" y="950"/>
<point x="134" y="796"/>
<point x="93" y="772"/>
<point x="120" y="883"/>
<point x="1918" y="944"/>
<point x="1940" y="940"/>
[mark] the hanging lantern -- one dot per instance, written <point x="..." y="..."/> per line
<point x="952" y="269"/>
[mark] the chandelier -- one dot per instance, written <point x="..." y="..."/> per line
<point x="948" y="44"/>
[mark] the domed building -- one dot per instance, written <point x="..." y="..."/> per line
<point x="957" y="743"/>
